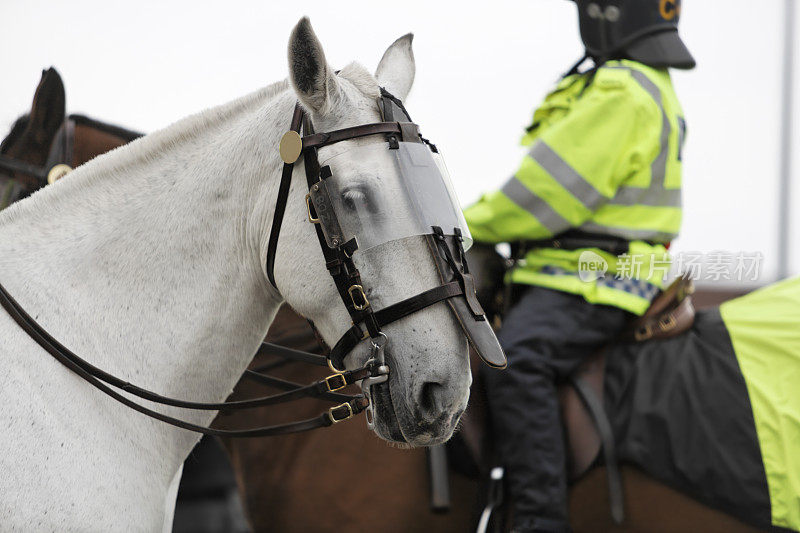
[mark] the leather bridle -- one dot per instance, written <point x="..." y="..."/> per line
<point x="367" y="323"/>
<point x="345" y="274"/>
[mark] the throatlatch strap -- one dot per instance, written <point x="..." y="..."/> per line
<point x="280" y="203"/>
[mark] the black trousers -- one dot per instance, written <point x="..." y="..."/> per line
<point x="546" y="335"/>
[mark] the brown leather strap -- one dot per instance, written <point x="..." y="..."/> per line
<point x="278" y="383"/>
<point x="663" y="326"/>
<point x="670" y="314"/>
<point x="604" y="429"/>
<point x="280" y="203"/>
<point x="61" y="151"/>
<point x="317" y="140"/>
<point x="14" y="165"/>
<point x="268" y="348"/>
<point x="392" y="313"/>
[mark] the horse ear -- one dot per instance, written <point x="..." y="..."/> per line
<point x="312" y="78"/>
<point x="49" y="107"/>
<point x="397" y="68"/>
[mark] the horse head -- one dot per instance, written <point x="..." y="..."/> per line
<point x="368" y="190"/>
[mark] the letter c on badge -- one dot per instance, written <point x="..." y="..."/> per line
<point x="669" y="9"/>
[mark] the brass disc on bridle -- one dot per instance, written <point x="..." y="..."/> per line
<point x="58" y="172"/>
<point x="291" y="147"/>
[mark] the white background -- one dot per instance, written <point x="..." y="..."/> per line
<point x="481" y="70"/>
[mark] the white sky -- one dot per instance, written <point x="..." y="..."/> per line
<point x="482" y="68"/>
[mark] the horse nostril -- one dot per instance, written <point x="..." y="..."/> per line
<point x="430" y="397"/>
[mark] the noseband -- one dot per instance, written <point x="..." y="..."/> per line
<point x="367" y="323"/>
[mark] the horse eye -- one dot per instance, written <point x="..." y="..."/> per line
<point x="357" y="199"/>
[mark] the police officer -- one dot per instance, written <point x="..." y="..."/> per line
<point x="596" y="201"/>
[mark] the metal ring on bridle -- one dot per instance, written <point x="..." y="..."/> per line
<point x="383" y="338"/>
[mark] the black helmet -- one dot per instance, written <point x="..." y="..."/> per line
<point x="643" y="30"/>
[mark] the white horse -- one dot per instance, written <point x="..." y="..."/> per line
<point x="149" y="262"/>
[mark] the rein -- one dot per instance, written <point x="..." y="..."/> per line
<point x="102" y="381"/>
<point x="338" y="260"/>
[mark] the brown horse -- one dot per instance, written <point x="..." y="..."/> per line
<point x="361" y="482"/>
<point x="47" y="138"/>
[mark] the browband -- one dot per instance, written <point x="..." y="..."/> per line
<point x="318" y="140"/>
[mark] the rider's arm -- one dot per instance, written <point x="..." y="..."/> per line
<point x="573" y="167"/>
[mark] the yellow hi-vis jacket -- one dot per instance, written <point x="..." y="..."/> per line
<point x="604" y="159"/>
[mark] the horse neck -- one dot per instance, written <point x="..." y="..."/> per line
<point x="147" y="260"/>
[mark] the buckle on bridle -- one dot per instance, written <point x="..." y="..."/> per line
<point x="332" y="413"/>
<point x="308" y="208"/>
<point x="358" y="289"/>
<point x="333" y="388"/>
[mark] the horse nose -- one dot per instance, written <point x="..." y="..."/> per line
<point x="434" y="399"/>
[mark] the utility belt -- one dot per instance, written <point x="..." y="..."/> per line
<point x="570" y="240"/>
<point x="574" y="240"/>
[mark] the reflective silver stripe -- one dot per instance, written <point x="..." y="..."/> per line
<point x="634" y="286"/>
<point x="659" y="167"/>
<point x="655" y="195"/>
<point x="629" y="196"/>
<point x="630" y="234"/>
<point x="534" y="204"/>
<point x="566" y="176"/>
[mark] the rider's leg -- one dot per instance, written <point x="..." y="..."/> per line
<point x="546" y="335"/>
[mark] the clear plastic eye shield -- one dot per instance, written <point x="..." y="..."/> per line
<point x="376" y="194"/>
<point x="373" y="184"/>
